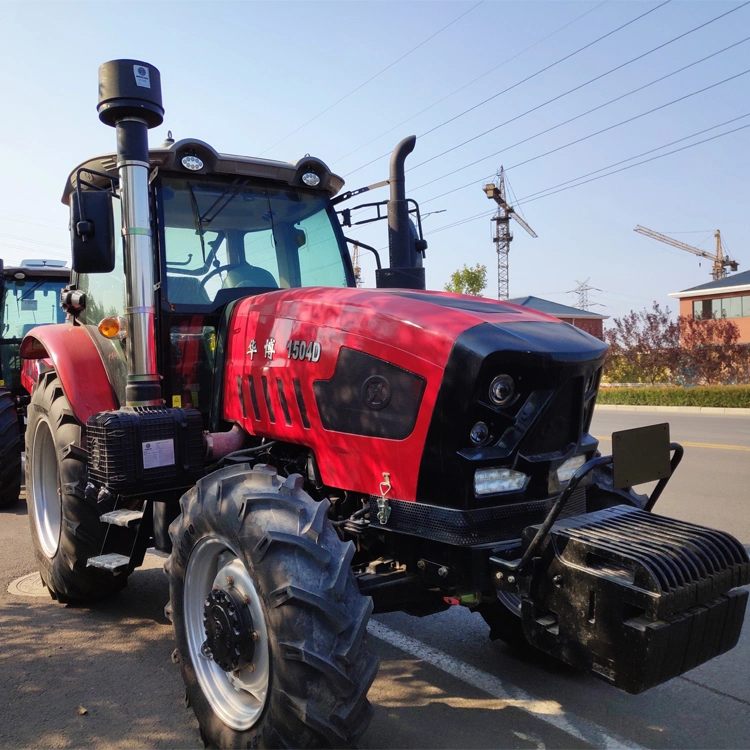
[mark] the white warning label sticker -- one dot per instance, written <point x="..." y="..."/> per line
<point x="142" y="76"/>
<point x="158" y="453"/>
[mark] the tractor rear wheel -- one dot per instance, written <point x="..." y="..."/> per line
<point x="65" y="526"/>
<point x="10" y="450"/>
<point x="269" y="622"/>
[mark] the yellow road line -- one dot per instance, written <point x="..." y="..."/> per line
<point x="717" y="446"/>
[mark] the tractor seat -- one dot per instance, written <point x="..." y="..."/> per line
<point x="249" y="276"/>
<point x="186" y="290"/>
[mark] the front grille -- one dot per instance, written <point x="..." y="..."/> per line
<point x="461" y="527"/>
<point x="576" y="504"/>
<point x="558" y="425"/>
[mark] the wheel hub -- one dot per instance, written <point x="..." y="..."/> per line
<point x="230" y="636"/>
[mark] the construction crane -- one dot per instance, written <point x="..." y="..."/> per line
<point x="356" y="266"/>
<point x="496" y="191"/>
<point x="721" y="261"/>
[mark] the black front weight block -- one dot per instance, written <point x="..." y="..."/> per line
<point x="632" y="597"/>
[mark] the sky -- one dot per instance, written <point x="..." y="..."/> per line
<point x="346" y="81"/>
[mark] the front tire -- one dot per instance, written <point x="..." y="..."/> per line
<point x="10" y="450"/>
<point x="65" y="526"/>
<point x="269" y="622"/>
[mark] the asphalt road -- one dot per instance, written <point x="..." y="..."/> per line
<point x="442" y="683"/>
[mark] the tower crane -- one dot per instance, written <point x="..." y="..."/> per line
<point x="356" y="266"/>
<point x="496" y="191"/>
<point x="721" y="261"/>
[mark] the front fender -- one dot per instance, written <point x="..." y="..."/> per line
<point x="78" y="363"/>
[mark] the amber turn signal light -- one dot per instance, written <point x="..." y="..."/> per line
<point x="113" y="328"/>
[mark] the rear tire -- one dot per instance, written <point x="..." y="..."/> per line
<point x="65" y="526"/>
<point x="10" y="450"/>
<point x="243" y="534"/>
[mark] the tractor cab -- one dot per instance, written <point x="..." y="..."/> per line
<point x="30" y="298"/>
<point x="226" y="227"/>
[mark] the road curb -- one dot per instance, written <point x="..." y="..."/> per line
<point x="709" y="410"/>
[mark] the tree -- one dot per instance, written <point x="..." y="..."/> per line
<point x="644" y="346"/>
<point x="711" y="352"/>
<point x="468" y="280"/>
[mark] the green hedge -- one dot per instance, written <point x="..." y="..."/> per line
<point x="725" y="396"/>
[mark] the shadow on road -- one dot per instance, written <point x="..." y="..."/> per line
<point x="113" y="659"/>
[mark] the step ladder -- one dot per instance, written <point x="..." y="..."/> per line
<point x="116" y="561"/>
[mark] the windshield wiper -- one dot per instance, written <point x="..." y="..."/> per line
<point x="234" y="188"/>
<point x="198" y="223"/>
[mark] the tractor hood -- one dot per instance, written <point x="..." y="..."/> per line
<point x="373" y="375"/>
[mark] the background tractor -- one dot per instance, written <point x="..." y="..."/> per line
<point x="309" y="452"/>
<point x="30" y="295"/>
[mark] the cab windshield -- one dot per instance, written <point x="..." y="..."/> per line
<point x="227" y="235"/>
<point x="28" y="303"/>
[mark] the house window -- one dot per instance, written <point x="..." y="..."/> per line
<point x="732" y="307"/>
<point x="724" y="307"/>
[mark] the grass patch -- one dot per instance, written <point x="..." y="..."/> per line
<point x="727" y="396"/>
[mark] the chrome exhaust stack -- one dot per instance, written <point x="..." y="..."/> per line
<point x="130" y="101"/>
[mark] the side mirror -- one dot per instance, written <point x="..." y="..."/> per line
<point x="92" y="232"/>
<point x="418" y="243"/>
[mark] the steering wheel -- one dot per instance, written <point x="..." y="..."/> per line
<point x="213" y="273"/>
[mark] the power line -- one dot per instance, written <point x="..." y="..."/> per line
<point x="638" y="164"/>
<point x="49" y="223"/>
<point x="30" y="250"/>
<point x="577" y="117"/>
<point x="590" y="81"/>
<point x="635" y="117"/>
<point x="524" y="80"/>
<point x="29" y="239"/>
<point x="486" y="73"/>
<point x="603" y="130"/>
<point x="372" y="78"/>
<point x="631" y="166"/>
<point x="638" y="156"/>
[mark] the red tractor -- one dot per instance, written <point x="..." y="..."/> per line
<point x="308" y="452"/>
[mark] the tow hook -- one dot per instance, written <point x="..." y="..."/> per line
<point x="384" y="510"/>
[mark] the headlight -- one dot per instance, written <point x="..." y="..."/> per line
<point x="191" y="162"/>
<point x="570" y="467"/>
<point x="490" y="481"/>
<point x="502" y="389"/>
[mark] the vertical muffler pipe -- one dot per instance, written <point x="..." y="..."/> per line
<point x="130" y="102"/>
<point x="405" y="271"/>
